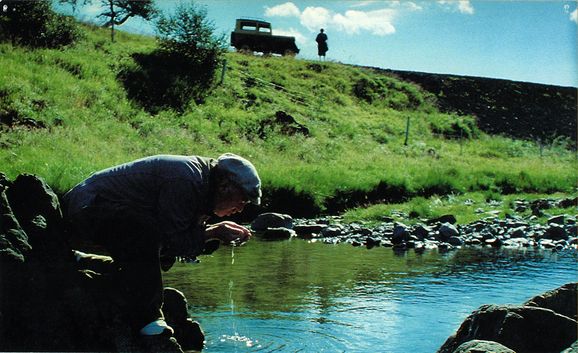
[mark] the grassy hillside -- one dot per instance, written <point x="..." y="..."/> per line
<point x="520" y="109"/>
<point x="65" y="114"/>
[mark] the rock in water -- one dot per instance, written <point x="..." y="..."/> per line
<point x="278" y="234"/>
<point x="308" y="230"/>
<point x="400" y="234"/>
<point x="272" y="220"/>
<point x="561" y="300"/>
<point x="188" y="333"/>
<point x="448" y="230"/>
<point x="481" y="346"/>
<point x="522" y="328"/>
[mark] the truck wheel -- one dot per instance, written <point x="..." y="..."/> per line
<point x="245" y="50"/>
<point x="289" y="52"/>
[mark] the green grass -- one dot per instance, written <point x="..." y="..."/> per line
<point x="356" y="118"/>
<point x="467" y="208"/>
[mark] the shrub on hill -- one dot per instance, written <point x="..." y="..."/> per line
<point x="183" y="67"/>
<point x="454" y="126"/>
<point x="34" y="23"/>
<point x="388" y="92"/>
<point x="188" y="34"/>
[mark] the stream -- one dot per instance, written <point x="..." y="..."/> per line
<point x="297" y="296"/>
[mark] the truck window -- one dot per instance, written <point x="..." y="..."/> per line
<point x="265" y="29"/>
<point x="248" y="27"/>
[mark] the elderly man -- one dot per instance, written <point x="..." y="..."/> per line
<point x="153" y="209"/>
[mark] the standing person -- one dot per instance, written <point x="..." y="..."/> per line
<point x="153" y="209"/>
<point x="321" y="40"/>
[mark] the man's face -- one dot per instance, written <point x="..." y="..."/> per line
<point x="229" y="200"/>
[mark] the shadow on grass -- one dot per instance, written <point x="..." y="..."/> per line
<point x="382" y="193"/>
<point x="161" y="81"/>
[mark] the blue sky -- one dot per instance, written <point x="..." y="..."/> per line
<point x="533" y="41"/>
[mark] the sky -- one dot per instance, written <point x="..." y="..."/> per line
<point x="531" y="41"/>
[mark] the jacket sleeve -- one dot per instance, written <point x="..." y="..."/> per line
<point x="180" y="220"/>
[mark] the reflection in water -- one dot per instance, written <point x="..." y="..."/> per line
<point x="296" y="296"/>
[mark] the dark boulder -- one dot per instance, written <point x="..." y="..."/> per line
<point x="447" y="231"/>
<point x="286" y="124"/>
<point x="13" y="240"/>
<point x="448" y="218"/>
<point x="494" y="242"/>
<point x="572" y="349"/>
<point x="401" y="234"/>
<point x="568" y="202"/>
<point x="277" y="234"/>
<point x="48" y="302"/>
<point x="188" y="333"/>
<point x="455" y="241"/>
<point x="37" y="209"/>
<point x="421" y="231"/>
<point x="555" y="232"/>
<point x="561" y="300"/>
<point x="272" y="220"/>
<point x="481" y="346"/>
<point x="308" y="230"/>
<point x="332" y="231"/>
<point x="520" y="328"/>
<point x="557" y="220"/>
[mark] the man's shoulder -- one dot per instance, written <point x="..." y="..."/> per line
<point x="188" y="167"/>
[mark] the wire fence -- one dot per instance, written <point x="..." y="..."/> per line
<point x="294" y="96"/>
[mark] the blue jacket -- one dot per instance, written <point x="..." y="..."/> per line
<point x="172" y="189"/>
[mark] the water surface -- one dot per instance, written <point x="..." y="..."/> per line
<point x="296" y="296"/>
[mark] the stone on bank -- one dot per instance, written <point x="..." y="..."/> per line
<point x="48" y="303"/>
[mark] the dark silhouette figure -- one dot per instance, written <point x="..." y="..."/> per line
<point x="321" y="40"/>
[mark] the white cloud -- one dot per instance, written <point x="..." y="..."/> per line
<point x="574" y="16"/>
<point x="299" y="37"/>
<point x="365" y="3"/>
<point x="463" y="6"/>
<point x="410" y="5"/>
<point x="315" y="17"/>
<point x="413" y="6"/>
<point x="287" y="9"/>
<point x="378" y="22"/>
<point x="466" y="7"/>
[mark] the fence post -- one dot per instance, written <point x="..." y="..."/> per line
<point x="406" y="132"/>
<point x="223" y="71"/>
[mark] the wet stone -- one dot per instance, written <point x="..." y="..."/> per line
<point x="518" y="232"/>
<point x="277" y="234"/>
<point x="444" y="219"/>
<point x="448" y="230"/>
<point x="400" y="234"/>
<point x="555" y="232"/>
<point x="556" y="220"/>
<point x="494" y="242"/>
<point x="455" y="241"/>
<point x="513" y="232"/>
<point x="272" y="220"/>
<point x="421" y="231"/>
<point x="516" y="242"/>
<point x="372" y="242"/>
<point x="547" y="243"/>
<point x="332" y="231"/>
<point x="304" y="230"/>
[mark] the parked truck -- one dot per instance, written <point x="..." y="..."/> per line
<point x="257" y="36"/>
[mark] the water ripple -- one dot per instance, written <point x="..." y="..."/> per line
<point x="363" y="301"/>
